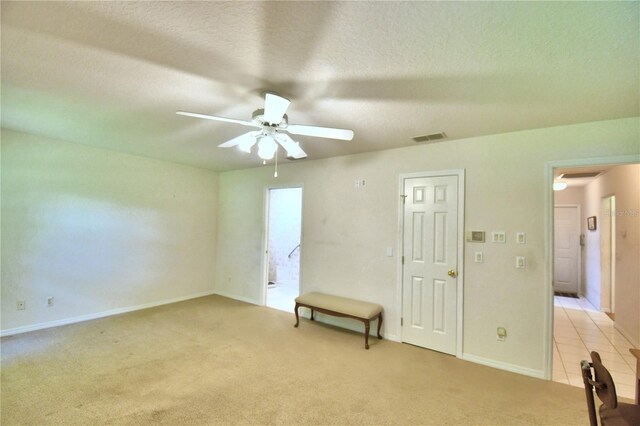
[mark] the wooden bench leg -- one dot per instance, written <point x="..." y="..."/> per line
<point x="366" y="334"/>
<point x="311" y="314"/>
<point x="297" y="317"/>
<point x="379" y="325"/>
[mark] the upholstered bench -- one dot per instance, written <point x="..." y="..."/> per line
<point x="341" y="307"/>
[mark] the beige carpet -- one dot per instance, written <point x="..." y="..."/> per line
<point x="217" y="361"/>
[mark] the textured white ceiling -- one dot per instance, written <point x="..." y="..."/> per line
<point x="112" y="74"/>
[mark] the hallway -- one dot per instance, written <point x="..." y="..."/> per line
<point x="580" y="328"/>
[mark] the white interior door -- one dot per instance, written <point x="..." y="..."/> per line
<point x="430" y="253"/>
<point x="566" y="248"/>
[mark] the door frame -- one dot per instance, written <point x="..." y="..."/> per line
<point x="460" y="174"/>
<point x="579" y="212"/>
<point x="612" y="252"/>
<point x="547" y="341"/>
<point x="264" y="276"/>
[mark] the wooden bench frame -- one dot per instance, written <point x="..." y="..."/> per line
<point x="366" y="321"/>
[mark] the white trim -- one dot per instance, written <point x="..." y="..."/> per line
<point x="539" y="374"/>
<point x="88" y="317"/>
<point x="547" y="341"/>
<point x="460" y="174"/>
<point x="239" y="298"/>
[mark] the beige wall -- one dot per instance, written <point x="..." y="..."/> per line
<point x="570" y="195"/>
<point x="100" y="231"/>
<point x="624" y="183"/>
<point x="346" y="231"/>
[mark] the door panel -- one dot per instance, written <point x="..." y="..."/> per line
<point x="430" y="235"/>
<point x="566" y="246"/>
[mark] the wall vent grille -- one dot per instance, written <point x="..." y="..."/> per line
<point x="430" y="138"/>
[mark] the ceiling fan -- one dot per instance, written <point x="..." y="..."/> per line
<point x="272" y="123"/>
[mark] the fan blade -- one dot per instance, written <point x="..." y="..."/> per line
<point x="292" y="147"/>
<point x="320" y="132"/>
<point x="246" y="141"/>
<point x="274" y="108"/>
<point x="214" y="118"/>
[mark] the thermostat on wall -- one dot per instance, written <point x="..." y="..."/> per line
<point x="475" y="236"/>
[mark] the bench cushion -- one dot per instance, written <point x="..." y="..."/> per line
<point x="342" y="305"/>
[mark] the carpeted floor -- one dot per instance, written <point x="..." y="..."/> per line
<point x="218" y="361"/>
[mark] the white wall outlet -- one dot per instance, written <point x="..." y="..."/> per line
<point x="521" y="238"/>
<point x="50" y="301"/>
<point x="21" y="305"/>
<point x="498" y="237"/>
<point x="389" y="251"/>
<point x="478" y="257"/>
<point x="501" y="334"/>
<point x="521" y="262"/>
<point x="357" y="183"/>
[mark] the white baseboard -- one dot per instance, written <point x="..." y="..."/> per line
<point x="236" y="297"/>
<point x="626" y="334"/>
<point x="87" y="317"/>
<point x="539" y="374"/>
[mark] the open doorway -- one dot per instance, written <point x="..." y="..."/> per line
<point x="284" y="229"/>
<point x="607" y="195"/>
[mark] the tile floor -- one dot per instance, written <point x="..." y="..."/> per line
<point x="282" y="296"/>
<point x="580" y="328"/>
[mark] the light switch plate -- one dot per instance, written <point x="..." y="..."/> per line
<point x="521" y="238"/>
<point x="478" y="257"/>
<point x="521" y="262"/>
<point x="498" y="237"/>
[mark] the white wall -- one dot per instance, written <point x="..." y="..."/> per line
<point x="346" y="230"/>
<point x="100" y="231"/>
<point x="575" y="195"/>
<point x="624" y="183"/>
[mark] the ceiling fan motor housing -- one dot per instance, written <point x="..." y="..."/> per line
<point x="258" y="118"/>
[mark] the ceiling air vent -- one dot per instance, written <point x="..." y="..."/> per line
<point x="580" y="175"/>
<point x="430" y="138"/>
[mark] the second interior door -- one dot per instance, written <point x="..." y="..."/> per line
<point x="430" y="240"/>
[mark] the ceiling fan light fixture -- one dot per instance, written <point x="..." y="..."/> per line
<point x="267" y="148"/>
<point x="559" y="186"/>
<point x="246" y="145"/>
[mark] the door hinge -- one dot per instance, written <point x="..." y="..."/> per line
<point x="401" y="322"/>
<point x="403" y="260"/>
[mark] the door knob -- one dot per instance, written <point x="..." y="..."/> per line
<point x="452" y="273"/>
